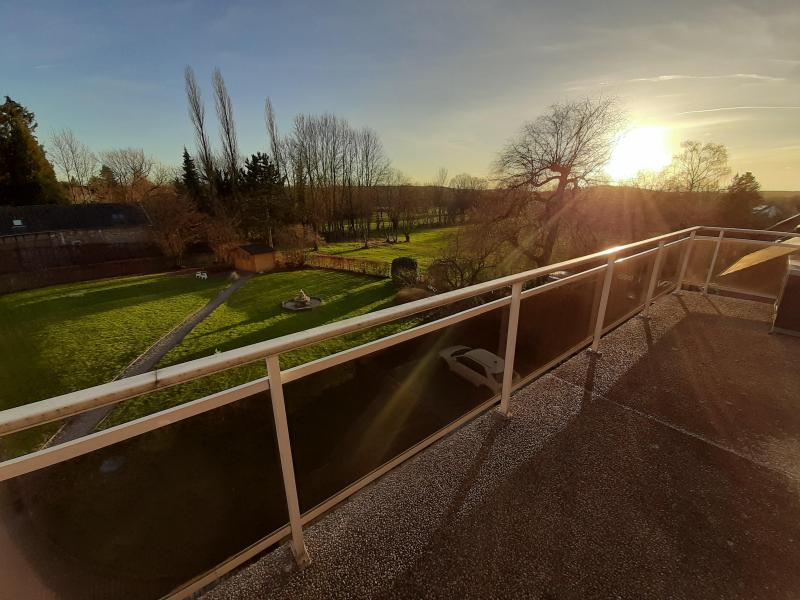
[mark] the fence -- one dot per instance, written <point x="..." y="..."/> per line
<point x="375" y="268"/>
<point x="26" y="280"/>
<point x="219" y="479"/>
<point x="23" y="259"/>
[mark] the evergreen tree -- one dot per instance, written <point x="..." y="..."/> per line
<point x="745" y="186"/>
<point x="105" y="188"/>
<point x="737" y="205"/>
<point x="262" y="202"/>
<point x="190" y="182"/>
<point x="26" y="176"/>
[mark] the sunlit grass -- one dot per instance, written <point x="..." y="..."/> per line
<point x="254" y="314"/>
<point x="63" y="338"/>
<point x="425" y="246"/>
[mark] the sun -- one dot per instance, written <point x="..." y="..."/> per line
<point x="639" y="149"/>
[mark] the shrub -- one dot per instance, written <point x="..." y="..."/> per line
<point x="404" y="271"/>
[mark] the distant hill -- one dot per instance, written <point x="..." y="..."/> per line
<point x="779" y="194"/>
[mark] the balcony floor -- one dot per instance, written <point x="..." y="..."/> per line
<point x="668" y="467"/>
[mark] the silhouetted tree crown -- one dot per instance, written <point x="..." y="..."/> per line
<point x="26" y="176"/>
<point x="745" y="186"/>
<point x="742" y="196"/>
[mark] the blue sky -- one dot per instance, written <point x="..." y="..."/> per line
<point x="444" y="83"/>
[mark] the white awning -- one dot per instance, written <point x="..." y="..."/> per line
<point x="763" y="255"/>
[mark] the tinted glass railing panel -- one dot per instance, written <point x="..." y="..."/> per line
<point x="699" y="261"/>
<point x="141" y="517"/>
<point x="765" y="278"/>
<point x="628" y="287"/>
<point x="350" y="419"/>
<point x="555" y="321"/>
<point x="670" y="268"/>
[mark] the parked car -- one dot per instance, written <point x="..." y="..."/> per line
<point x="558" y="275"/>
<point x="478" y="366"/>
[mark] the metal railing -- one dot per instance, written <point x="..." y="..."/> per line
<point x="639" y="266"/>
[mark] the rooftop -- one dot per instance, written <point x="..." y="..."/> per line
<point x="667" y="466"/>
<point x="54" y="217"/>
<point x="257" y="248"/>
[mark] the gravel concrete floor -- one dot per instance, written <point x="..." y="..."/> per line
<point x="665" y="468"/>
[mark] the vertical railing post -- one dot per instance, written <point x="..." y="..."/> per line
<point x="713" y="261"/>
<point x="601" y="310"/>
<point x="511" y="347"/>
<point x="685" y="262"/>
<point x="287" y="466"/>
<point x="651" y="287"/>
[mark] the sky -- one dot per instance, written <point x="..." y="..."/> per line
<point x="444" y="83"/>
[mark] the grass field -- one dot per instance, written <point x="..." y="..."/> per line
<point x="425" y="245"/>
<point x="63" y="338"/>
<point x="254" y="314"/>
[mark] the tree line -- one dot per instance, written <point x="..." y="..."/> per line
<point x="552" y="201"/>
<point x="327" y="179"/>
<point x="323" y="179"/>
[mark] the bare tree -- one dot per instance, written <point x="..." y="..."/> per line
<point x="275" y="144"/>
<point x="698" y="168"/>
<point x="197" y="115"/>
<point x="76" y="162"/>
<point x="470" y="255"/>
<point x="176" y="221"/>
<point x="227" y="126"/>
<point x="467" y="190"/>
<point x="333" y="171"/>
<point x="397" y="211"/>
<point x="131" y="168"/>
<point x="556" y="153"/>
<point x="161" y="176"/>
<point x="222" y="232"/>
<point x="372" y="164"/>
<point x="439" y="199"/>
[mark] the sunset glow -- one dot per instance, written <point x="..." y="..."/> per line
<point x="639" y="149"/>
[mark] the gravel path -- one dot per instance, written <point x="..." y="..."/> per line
<point x="85" y="423"/>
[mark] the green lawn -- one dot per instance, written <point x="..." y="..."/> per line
<point x="63" y="338"/>
<point x="425" y="245"/>
<point x="254" y="314"/>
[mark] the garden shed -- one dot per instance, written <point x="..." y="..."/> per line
<point x="254" y="258"/>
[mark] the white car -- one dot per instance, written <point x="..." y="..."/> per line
<point x="478" y="366"/>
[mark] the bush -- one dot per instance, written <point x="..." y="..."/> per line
<point x="404" y="271"/>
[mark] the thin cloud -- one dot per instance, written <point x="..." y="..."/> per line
<point x="755" y="76"/>
<point x="726" y="108"/>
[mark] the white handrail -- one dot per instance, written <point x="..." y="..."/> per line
<point x="56" y="408"/>
<point x="748" y="231"/>
<point x="60" y="407"/>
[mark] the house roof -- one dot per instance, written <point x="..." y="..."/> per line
<point x="257" y="248"/>
<point x="54" y="217"/>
